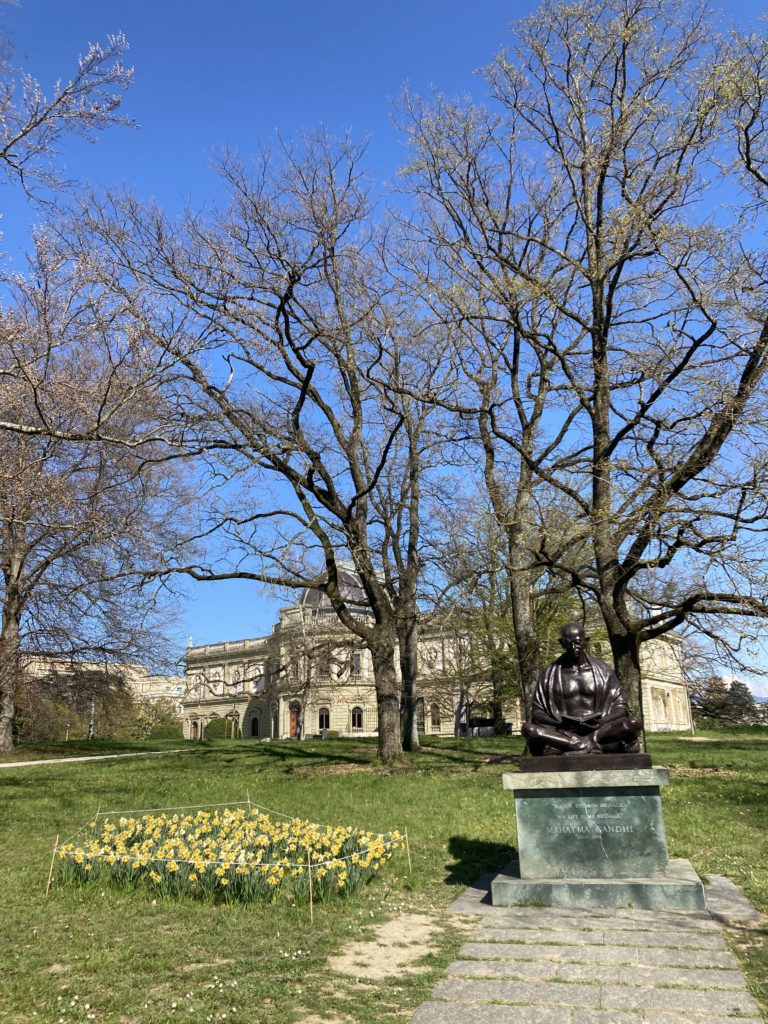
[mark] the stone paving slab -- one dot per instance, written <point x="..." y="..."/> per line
<point x="488" y="991"/>
<point x="602" y="997"/>
<point x="629" y="955"/>
<point x="619" y="997"/>
<point x="618" y="1017"/>
<point x="532" y="965"/>
<point x="634" y="937"/>
<point x="445" y="1013"/>
<point x="564" y="917"/>
<point x="464" y="1013"/>
<point x="453" y="1013"/>
<point x="531" y="970"/>
<point x="726" y="902"/>
<point x="615" y="926"/>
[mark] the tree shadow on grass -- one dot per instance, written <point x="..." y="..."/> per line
<point x="292" y="753"/>
<point x="474" y="857"/>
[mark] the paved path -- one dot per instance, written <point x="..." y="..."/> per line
<point x="88" y="757"/>
<point x="528" y="965"/>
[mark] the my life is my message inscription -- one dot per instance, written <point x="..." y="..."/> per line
<point x="570" y="827"/>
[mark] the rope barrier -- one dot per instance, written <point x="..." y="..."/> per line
<point x="124" y="858"/>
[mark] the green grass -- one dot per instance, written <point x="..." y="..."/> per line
<point x="131" y="958"/>
<point x="49" y="750"/>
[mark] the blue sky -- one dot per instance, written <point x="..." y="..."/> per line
<point x="209" y="75"/>
<point x="232" y="74"/>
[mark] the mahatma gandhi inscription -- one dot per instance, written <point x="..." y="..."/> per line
<point x="589" y="831"/>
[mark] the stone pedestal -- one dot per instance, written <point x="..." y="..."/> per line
<point x="594" y="839"/>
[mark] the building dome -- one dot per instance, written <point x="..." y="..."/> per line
<point x="351" y="589"/>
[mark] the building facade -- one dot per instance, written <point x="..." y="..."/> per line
<point x="311" y="677"/>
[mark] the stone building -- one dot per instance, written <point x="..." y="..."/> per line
<point x="308" y="677"/>
<point x="311" y="676"/>
<point x="138" y="680"/>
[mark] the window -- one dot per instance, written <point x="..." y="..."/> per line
<point x="357" y="718"/>
<point x="356" y="663"/>
<point x="324" y="719"/>
<point x="434" y="714"/>
<point x="324" y="662"/>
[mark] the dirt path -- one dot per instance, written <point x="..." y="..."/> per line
<point x="89" y="757"/>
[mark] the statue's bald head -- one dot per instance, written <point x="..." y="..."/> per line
<point x="571" y="629"/>
<point x="572" y="638"/>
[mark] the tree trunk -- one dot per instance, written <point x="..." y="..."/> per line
<point x="626" y="661"/>
<point x="526" y="640"/>
<point x="408" y="637"/>
<point x="10" y="666"/>
<point x="387" y="701"/>
<point x="497" y="712"/>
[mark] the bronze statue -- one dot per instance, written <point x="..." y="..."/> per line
<point x="578" y="706"/>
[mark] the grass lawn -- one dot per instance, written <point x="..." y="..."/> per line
<point x="132" y="959"/>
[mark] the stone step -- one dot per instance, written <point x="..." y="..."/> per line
<point x="630" y="955"/>
<point x="469" y="1013"/>
<point x="592" y="974"/>
<point x="487" y="932"/>
<point x="563" y="917"/>
<point x="603" y="997"/>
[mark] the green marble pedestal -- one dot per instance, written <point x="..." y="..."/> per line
<point x="594" y="838"/>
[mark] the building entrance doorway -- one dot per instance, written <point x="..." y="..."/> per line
<point x="295" y="714"/>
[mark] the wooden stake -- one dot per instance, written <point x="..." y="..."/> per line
<point x="53" y="861"/>
<point x="311" y="906"/>
<point x="408" y="854"/>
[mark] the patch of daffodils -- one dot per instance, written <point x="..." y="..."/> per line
<point x="237" y="854"/>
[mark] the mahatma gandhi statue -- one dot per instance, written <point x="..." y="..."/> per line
<point x="578" y="706"/>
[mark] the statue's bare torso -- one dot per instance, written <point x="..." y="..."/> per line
<point x="578" y="706"/>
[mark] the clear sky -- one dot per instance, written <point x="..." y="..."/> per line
<point x="229" y="73"/>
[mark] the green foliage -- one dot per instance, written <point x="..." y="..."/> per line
<point x="220" y="729"/>
<point x="718" y="701"/>
<point x="157" y="719"/>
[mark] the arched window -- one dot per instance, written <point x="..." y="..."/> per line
<point x="324" y="719"/>
<point x="357" y="718"/>
<point x="434" y="714"/>
<point x="255" y="727"/>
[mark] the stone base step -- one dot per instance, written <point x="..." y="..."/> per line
<point x="679" y="889"/>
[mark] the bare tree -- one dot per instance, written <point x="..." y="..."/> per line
<point x="80" y="524"/>
<point x="609" y="119"/>
<point x="33" y="124"/>
<point x="480" y="213"/>
<point x="281" y="315"/>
